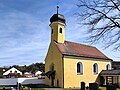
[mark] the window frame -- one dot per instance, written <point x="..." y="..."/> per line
<point x="108" y="67"/>
<point x="95" y="68"/>
<point x="52" y="31"/>
<point x="52" y="67"/>
<point x="80" y="68"/>
<point x="60" y="30"/>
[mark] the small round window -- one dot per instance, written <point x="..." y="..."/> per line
<point x="60" y="30"/>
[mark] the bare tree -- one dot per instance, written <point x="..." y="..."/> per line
<point x="103" y="20"/>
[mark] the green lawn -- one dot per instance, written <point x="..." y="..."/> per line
<point x="38" y="89"/>
<point x="1" y="87"/>
<point x="26" y="88"/>
<point x="103" y="88"/>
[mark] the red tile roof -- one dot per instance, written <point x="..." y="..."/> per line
<point x="75" y="49"/>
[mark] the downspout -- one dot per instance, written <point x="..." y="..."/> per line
<point x="63" y="68"/>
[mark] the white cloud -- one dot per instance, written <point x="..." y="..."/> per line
<point x="23" y="38"/>
<point x="25" y="34"/>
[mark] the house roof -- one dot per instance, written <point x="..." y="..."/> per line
<point x="110" y="72"/>
<point x="76" y="49"/>
<point x="12" y="70"/>
<point x="116" y="63"/>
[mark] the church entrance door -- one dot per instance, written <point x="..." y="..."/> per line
<point x="52" y="81"/>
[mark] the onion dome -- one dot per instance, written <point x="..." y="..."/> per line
<point x="57" y="17"/>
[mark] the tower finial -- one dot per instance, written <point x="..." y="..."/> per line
<point x="57" y="9"/>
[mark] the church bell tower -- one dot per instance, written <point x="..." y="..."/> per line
<point x="57" y="24"/>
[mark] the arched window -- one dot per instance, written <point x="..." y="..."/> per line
<point x="79" y="68"/>
<point x="52" y="67"/>
<point x="95" y="68"/>
<point x="60" y="30"/>
<point x="51" y="31"/>
<point x="108" y="67"/>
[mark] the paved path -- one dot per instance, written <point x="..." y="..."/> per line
<point x="59" y="89"/>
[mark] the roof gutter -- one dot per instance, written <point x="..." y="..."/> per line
<point x="86" y="57"/>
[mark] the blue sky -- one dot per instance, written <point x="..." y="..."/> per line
<point x="25" y="31"/>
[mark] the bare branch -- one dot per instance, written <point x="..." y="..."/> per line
<point x="116" y="6"/>
<point x="103" y="20"/>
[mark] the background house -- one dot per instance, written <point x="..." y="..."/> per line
<point x="12" y="72"/>
<point x="116" y="65"/>
<point x="111" y="76"/>
<point x="38" y="73"/>
<point x="27" y="74"/>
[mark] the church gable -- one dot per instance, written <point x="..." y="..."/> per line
<point x="75" y="49"/>
<point x="53" y="51"/>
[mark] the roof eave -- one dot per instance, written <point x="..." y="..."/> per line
<point x="87" y="57"/>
